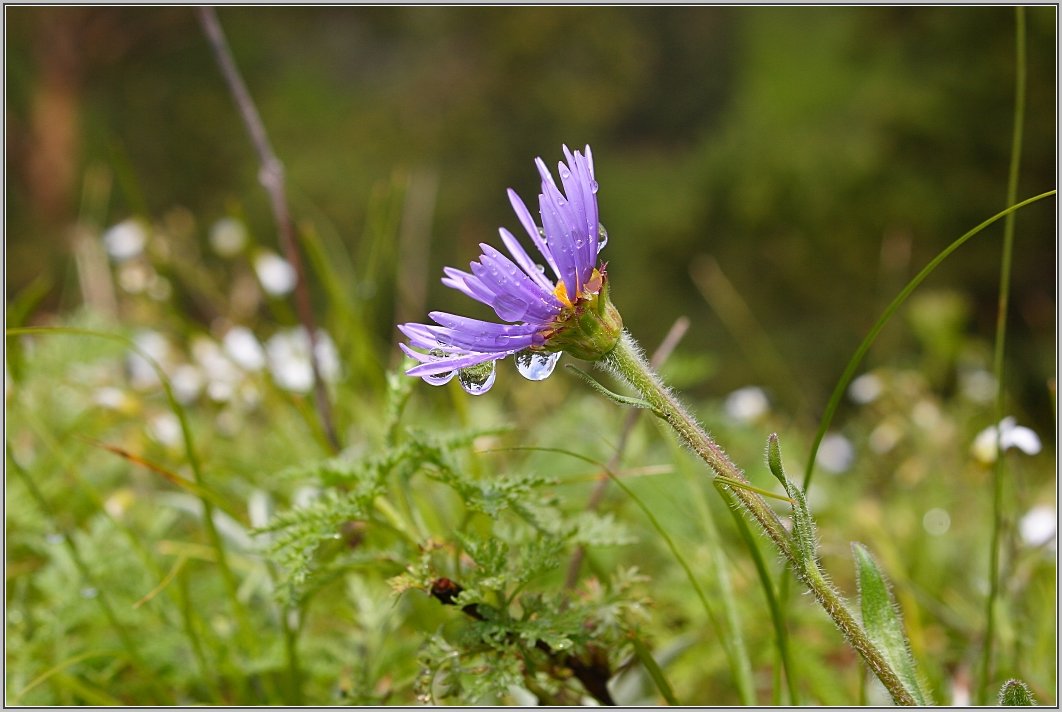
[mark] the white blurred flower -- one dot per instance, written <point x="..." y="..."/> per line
<point x="1010" y="434"/>
<point x="243" y="347"/>
<point x="187" y="382"/>
<point x="936" y="521"/>
<point x="978" y="386"/>
<point x="125" y="240"/>
<point x="866" y="388"/>
<point x="746" y="404"/>
<point x="165" y="429"/>
<point x="221" y="374"/>
<point x="1039" y="525"/>
<point x="228" y="236"/>
<point x="885" y="437"/>
<point x="158" y="348"/>
<point x="110" y="397"/>
<point x="135" y="277"/>
<point x="925" y="414"/>
<point x="276" y="274"/>
<point x="835" y="453"/>
<point x="289" y="359"/>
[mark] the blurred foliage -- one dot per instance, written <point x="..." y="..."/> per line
<point x="834" y="149"/>
<point x="820" y="157"/>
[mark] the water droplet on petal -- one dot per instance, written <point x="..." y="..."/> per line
<point x="510" y="307"/>
<point x="439" y="379"/>
<point x="579" y="242"/>
<point x="602" y="237"/>
<point x="541" y="268"/>
<point x="565" y="173"/>
<point x="536" y="365"/>
<point x="593" y="186"/>
<point x="478" y="379"/>
<point x="444" y="339"/>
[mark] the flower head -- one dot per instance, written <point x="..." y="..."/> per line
<point x="569" y="312"/>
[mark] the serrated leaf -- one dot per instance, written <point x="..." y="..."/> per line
<point x="881" y="619"/>
<point x="1016" y="693"/>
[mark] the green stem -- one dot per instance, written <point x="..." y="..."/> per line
<point x="998" y="474"/>
<point x="626" y="361"/>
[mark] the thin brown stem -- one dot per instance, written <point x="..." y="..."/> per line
<point x="271" y="176"/>
<point x="662" y="353"/>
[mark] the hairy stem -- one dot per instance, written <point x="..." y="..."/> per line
<point x="626" y="360"/>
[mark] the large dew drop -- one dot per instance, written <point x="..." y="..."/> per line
<point x="477" y="380"/>
<point x="439" y="379"/>
<point x="602" y="237"/>
<point x="536" y="365"/>
<point x="509" y="307"/>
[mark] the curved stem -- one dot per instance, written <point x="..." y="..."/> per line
<point x="626" y="361"/>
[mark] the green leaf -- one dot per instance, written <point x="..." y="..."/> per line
<point x="881" y="619"/>
<point x="803" y="525"/>
<point x="774" y="459"/>
<point x="1016" y="693"/>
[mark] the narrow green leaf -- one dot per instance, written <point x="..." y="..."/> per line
<point x="623" y="400"/>
<point x="881" y="619"/>
<point x="803" y="525"/>
<point x="774" y="459"/>
<point x="1016" y="693"/>
<point x="646" y="657"/>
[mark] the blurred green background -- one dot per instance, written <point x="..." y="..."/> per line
<point x="820" y="156"/>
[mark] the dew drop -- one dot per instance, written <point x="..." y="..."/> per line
<point x="565" y="173"/>
<point x="602" y="237"/>
<point x="478" y="379"/>
<point x="579" y="243"/>
<point x="536" y="365"/>
<point x="444" y="339"/>
<point x="510" y="307"/>
<point x="541" y="268"/>
<point x="439" y="379"/>
<point x="593" y="186"/>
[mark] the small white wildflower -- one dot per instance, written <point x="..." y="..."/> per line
<point x="936" y="521"/>
<point x="1010" y="435"/>
<point x="165" y="429"/>
<point x="125" y="240"/>
<point x="925" y="414"/>
<point x="289" y="359"/>
<point x="110" y="397"/>
<point x="978" y="386"/>
<point x="243" y="347"/>
<point x="187" y="382"/>
<point x="866" y="388"/>
<point x="885" y="437"/>
<point x="835" y="454"/>
<point x="228" y="237"/>
<point x="158" y="348"/>
<point x="747" y="404"/>
<point x="1039" y="525"/>
<point x="276" y="274"/>
<point x="222" y="375"/>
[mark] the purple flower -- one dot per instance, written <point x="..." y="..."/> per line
<point x="545" y="316"/>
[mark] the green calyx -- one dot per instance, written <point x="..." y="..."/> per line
<point x="591" y="327"/>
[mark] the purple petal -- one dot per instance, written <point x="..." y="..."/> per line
<point x="529" y="224"/>
<point x="561" y="245"/>
<point x="522" y="259"/>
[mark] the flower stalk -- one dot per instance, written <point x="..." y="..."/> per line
<point x="626" y="361"/>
